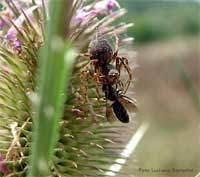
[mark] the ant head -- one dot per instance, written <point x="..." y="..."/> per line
<point x="113" y="73"/>
<point x="113" y="76"/>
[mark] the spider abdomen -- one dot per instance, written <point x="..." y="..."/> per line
<point x="100" y="50"/>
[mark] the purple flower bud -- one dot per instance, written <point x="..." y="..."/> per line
<point x="1" y="24"/>
<point x="76" y="112"/>
<point x="11" y="34"/>
<point x="17" y="45"/>
<point x="110" y="4"/>
<point x="3" y="167"/>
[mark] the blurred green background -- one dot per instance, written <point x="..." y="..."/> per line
<point x="161" y="19"/>
<point x="165" y="32"/>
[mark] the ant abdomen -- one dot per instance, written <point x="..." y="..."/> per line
<point x="120" y="112"/>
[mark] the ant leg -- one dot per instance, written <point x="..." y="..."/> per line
<point x="109" y="112"/>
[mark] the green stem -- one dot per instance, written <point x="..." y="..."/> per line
<point x="55" y="67"/>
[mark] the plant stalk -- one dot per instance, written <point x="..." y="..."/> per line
<point x="55" y="67"/>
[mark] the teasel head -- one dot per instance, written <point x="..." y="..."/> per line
<point x="81" y="143"/>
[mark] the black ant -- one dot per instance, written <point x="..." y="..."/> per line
<point x="120" y="103"/>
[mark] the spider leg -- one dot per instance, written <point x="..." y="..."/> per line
<point x="85" y="55"/>
<point x="116" y="48"/>
<point x="96" y="80"/>
<point x="92" y="112"/>
<point x="124" y="62"/>
<point x="84" y="78"/>
<point x="85" y="75"/>
<point x="95" y="74"/>
<point x="118" y="64"/>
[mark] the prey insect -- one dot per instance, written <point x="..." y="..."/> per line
<point x="120" y="103"/>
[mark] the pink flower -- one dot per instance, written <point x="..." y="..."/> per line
<point x="11" y="34"/>
<point x="81" y="15"/>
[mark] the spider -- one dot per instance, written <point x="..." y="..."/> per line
<point x="101" y="56"/>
